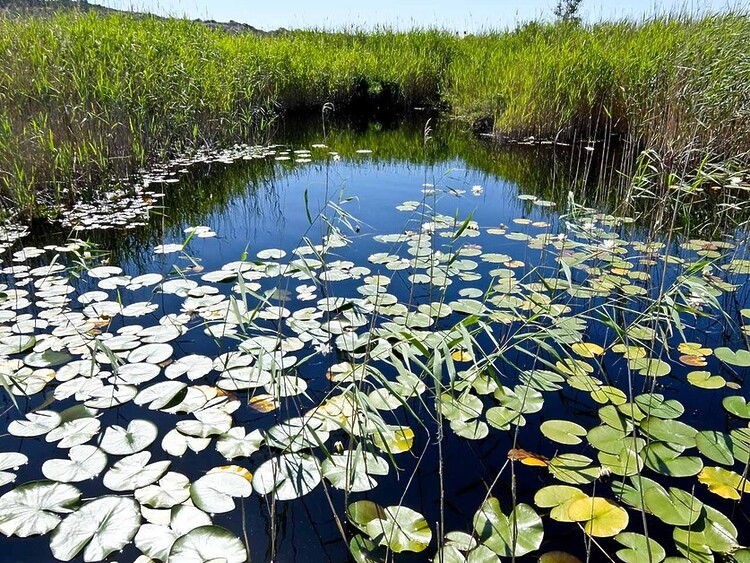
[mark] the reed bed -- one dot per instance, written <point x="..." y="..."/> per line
<point x="85" y="97"/>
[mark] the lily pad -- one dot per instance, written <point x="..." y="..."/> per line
<point x="100" y="527"/>
<point x="509" y="536"/>
<point x="34" y="508"/>
<point x="602" y="517"/>
<point x="208" y="543"/>
<point x="288" y="476"/>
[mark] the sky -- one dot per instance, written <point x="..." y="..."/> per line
<point x="459" y="15"/>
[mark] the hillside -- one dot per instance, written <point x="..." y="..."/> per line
<point x="44" y="7"/>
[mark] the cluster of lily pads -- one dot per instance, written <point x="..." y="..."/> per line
<point x="475" y="336"/>
<point x="127" y="204"/>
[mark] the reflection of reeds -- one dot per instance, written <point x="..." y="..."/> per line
<point x="547" y="172"/>
<point x="87" y="96"/>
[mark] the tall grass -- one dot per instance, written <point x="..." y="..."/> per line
<point x="85" y="96"/>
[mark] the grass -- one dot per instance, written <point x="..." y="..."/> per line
<point x="86" y="97"/>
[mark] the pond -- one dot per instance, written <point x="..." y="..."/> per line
<point x="396" y="342"/>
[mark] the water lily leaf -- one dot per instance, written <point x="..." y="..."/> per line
<point x="573" y="468"/>
<point x="109" y="396"/>
<point x="654" y="405"/>
<point x="100" y="527"/>
<point x="288" y="476"/>
<point x="502" y="418"/>
<point x="739" y="358"/>
<point x="587" y="349"/>
<point x="692" y="546"/>
<point x="737" y="405"/>
<point x="558" y="498"/>
<point x="401" y="529"/>
<point x="162" y="395"/>
<point x="718" y="531"/>
<point x="516" y="535"/>
<point x="705" y="380"/>
<point x="672" y="432"/>
<point x="214" y="491"/>
<point x="135" y="374"/>
<point x="297" y="434"/>
<point x="666" y="459"/>
<point x="36" y="424"/>
<point x="638" y="545"/>
<point x="364" y="550"/>
<point x="626" y="462"/>
<point x="172" y="489"/>
<point x="139" y="309"/>
<point x="155" y="539"/>
<point x="650" y="367"/>
<point x="521" y="398"/>
<point x="139" y="435"/>
<point x="603" y="517"/>
<point x="175" y="443"/>
<point x="74" y="432"/>
<point x="235" y="443"/>
<point x="677" y="507"/>
<point x="47" y="359"/>
<point x="563" y="431"/>
<point x="394" y="439"/>
<point x="610" y="416"/>
<point x="134" y="472"/>
<point x="352" y="470"/>
<point x="208" y="543"/>
<point x="85" y="463"/>
<point x="607" y="439"/>
<point x="34" y="508"/>
<point x="716" y="446"/>
<point x="608" y="394"/>
<point x="194" y="366"/>
<point x="362" y="512"/>
<point x="208" y="422"/>
<point x="151" y="353"/>
<point x="725" y="483"/>
<point x="10" y="460"/>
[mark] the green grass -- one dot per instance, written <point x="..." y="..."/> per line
<point x="84" y="97"/>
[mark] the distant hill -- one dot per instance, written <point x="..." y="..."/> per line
<point x="42" y="7"/>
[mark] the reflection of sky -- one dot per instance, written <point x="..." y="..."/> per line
<point x="471" y="15"/>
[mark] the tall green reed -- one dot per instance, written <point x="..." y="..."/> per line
<point x="86" y="97"/>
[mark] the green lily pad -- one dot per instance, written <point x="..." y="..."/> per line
<point x="508" y="536"/>
<point x="208" y="543"/>
<point x="654" y="404"/>
<point x="704" y="380"/>
<point x="716" y="446"/>
<point x="401" y="529"/>
<point x="737" y="405"/>
<point x="558" y="498"/>
<point x="100" y="527"/>
<point x="638" y="545"/>
<point x="672" y="432"/>
<point x="573" y="468"/>
<point x="739" y="358"/>
<point x="667" y="460"/>
<point x="563" y="431"/>
<point x="34" y="508"/>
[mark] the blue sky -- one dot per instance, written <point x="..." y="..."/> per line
<point x="460" y="15"/>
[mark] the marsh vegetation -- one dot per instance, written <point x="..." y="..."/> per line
<point x="88" y="97"/>
<point x="238" y="337"/>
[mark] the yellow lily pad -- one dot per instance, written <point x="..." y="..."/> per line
<point x="603" y="518"/>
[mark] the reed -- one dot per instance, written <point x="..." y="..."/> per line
<point x="88" y="97"/>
